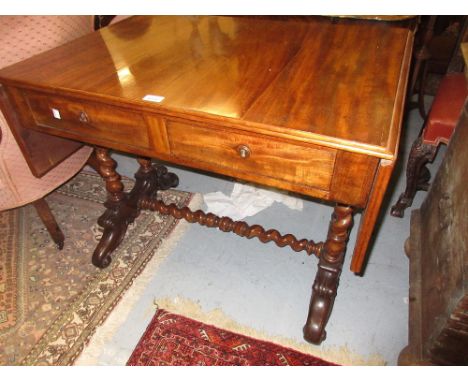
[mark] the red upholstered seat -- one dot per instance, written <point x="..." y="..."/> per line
<point x="445" y="110"/>
<point x="438" y="128"/>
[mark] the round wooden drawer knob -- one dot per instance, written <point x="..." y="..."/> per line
<point x="243" y="151"/>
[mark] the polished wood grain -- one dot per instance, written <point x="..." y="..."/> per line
<point x="253" y="155"/>
<point x="310" y="169"/>
<point x="102" y="121"/>
<point x="307" y="80"/>
<point x="370" y="215"/>
<point x="312" y="106"/>
<point x="32" y="143"/>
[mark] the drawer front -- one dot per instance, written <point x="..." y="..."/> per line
<point x="247" y="156"/>
<point x="102" y="122"/>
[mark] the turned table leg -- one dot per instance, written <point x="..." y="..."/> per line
<point x="122" y="208"/>
<point x="328" y="274"/>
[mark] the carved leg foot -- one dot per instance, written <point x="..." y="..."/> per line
<point x="122" y="208"/>
<point x="328" y="275"/>
<point x="424" y="177"/>
<point x="417" y="175"/>
<point x="115" y="218"/>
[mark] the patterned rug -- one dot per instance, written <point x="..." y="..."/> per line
<point x="52" y="301"/>
<point x="174" y="340"/>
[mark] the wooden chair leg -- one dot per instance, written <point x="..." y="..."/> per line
<point x="421" y="57"/>
<point x="417" y="175"/>
<point x="422" y="87"/>
<point x="44" y="212"/>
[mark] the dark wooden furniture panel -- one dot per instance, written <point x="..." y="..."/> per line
<point x="32" y="142"/>
<point x="308" y="105"/>
<point x="251" y="156"/>
<point x="104" y="122"/>
<point x="269" y="159"/>
<point x="437" y="248"/>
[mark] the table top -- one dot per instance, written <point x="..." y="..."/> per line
<point x="340" y="83"/>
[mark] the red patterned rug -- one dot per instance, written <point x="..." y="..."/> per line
<point x="173" y="340"/>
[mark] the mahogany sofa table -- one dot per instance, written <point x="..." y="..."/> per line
<point x="311" y="106"/>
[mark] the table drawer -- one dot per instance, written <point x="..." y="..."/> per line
<point x="100" y="121"/>
<point x="248" y="156"/>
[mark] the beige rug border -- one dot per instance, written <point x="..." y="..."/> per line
<point x="98" y="341"/>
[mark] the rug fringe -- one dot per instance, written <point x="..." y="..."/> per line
<point x="340" y="355"/>
<point x="93" y="350"/>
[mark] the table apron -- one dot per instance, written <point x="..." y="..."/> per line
<point x="309" y="169"/>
